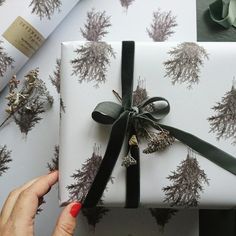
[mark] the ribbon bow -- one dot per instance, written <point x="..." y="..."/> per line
<point x="123" y="118"/>
<point x="223" y="12"/>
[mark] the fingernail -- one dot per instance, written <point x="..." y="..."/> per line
<point x="75" y="209"/>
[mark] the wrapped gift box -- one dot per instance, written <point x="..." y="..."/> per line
<point x="197" y="79"/>
<point x="25" y="27"/>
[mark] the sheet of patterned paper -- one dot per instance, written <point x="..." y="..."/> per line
<point x="31" y="153"/>
<point x="183" y="74"/>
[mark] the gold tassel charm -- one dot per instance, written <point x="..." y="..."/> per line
<point x="133" y="141"/>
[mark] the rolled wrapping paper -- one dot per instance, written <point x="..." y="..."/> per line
<point x="25" y="25"/>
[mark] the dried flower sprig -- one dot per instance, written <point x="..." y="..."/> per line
<point x="162" y="27"/>
<point x="126" y="3"/>
<point x="185" y="63"/>
<point x="187" y="185"/>
<point x="45" y="8"/>
<point x="92" y="61"/>
<point x="96" y="26"/>
<point x="158" y="141"/>
<point x="5" y="158"/>
<point x="224" y="122"/>
<point x="25" y="105"/>
<point x="5" y="60"/>
<point x="55" y="160"/>
<point x="162" y="216"/>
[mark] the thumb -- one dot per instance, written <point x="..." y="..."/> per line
<point x="66" y="222"/>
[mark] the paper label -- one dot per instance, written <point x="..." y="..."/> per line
<point x="23" y="36"/>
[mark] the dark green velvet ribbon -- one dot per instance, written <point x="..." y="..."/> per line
<point x="122" y="117"/>
<point x="223" y="12"/>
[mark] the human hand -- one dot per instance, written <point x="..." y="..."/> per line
<point x="18" y="213"/>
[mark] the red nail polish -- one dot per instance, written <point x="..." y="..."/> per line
<point x="75" y="209"/>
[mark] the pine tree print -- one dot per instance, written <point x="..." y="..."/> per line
<point x="162" y="26"/>
<point x="45" y="8"/>
<point x="55" y="160"/>
<point x="185" y="63"/>
<point x="94" y="215"/>
<point x="92" y="62"/>
<point x="162" y="216"/>
<point x="187" y="183"/>
<point x="1" y="2"/>
<point x="56" y="77"/>
<point x="5" y="158"/>
<point x="56" y="81"/>
<point x="85" y="176"/>
<point x="224" y="122"/>
<point x="96" y="26"/>
<point x="126" y="3"/>
<point x="93" y="58"/>
<point x="5" y="60"/>
<point x="26" y="104"/>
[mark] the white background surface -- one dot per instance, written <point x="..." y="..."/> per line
<point x="31" y="154"/>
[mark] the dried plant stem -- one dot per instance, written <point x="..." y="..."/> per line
<point x="117" y="96"/>
<point x="26" y="104"/>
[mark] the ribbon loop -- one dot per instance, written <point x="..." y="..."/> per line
<point x="159" y="108"/>
<point x="107" y="112"/>
<point x="223" y="12"/>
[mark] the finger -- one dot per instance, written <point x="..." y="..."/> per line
<point x="66" y="222"/>
<point x="11" y="200"/>
<point x="27" y="203"/>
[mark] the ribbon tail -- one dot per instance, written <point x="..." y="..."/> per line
<point x="133" y="178"/>
<point x="98" y="186"/>
<point x="209" y="151"/>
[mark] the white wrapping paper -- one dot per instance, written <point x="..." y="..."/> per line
<point x="190" y="110"/>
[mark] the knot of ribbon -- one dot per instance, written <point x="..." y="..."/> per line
<point x="122" y="117"/>
<point x="223" y="12"/>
